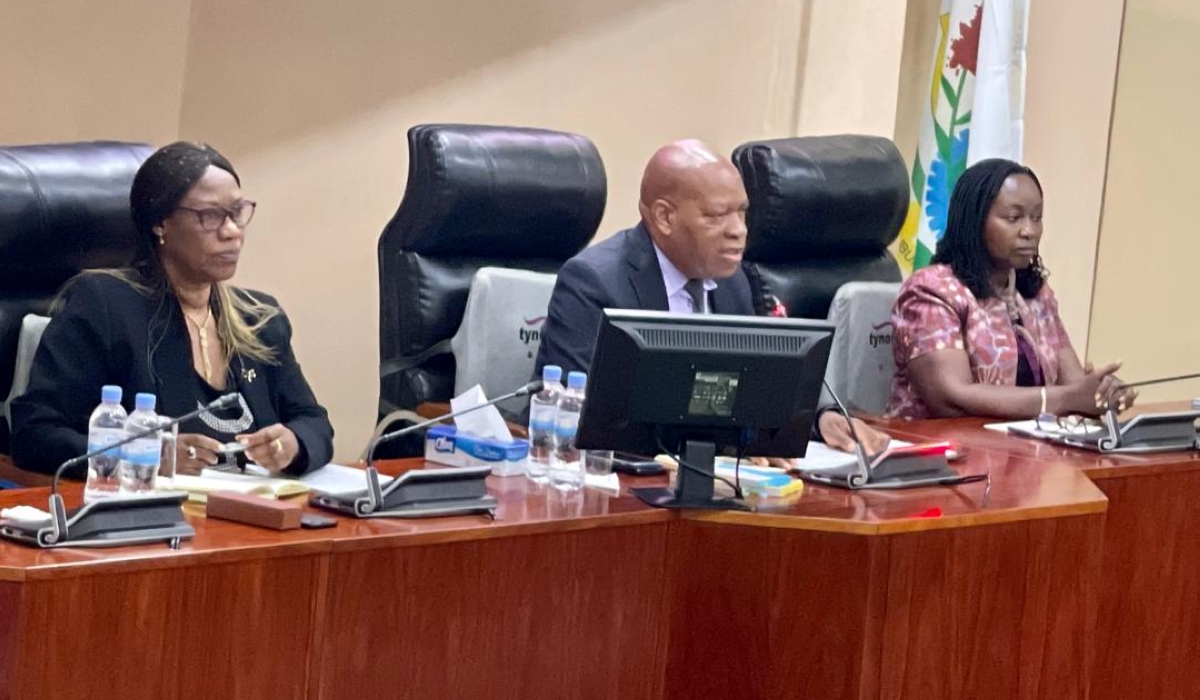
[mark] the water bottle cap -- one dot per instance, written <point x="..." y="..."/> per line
<point x="144" y="402"/>
<point x="552" y="373"/>
<point x="110" y="393"/>
<point x="576" y="380"/>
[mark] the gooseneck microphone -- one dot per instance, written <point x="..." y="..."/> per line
<point x="893" y="468"/>
<point x="376" y="501"/>
<point x="1161" y="380"/>
<point x="531" y="388"/>
<point x="223" y="402"/>
<point x="863" y="474"/>
<point x="1149" y="432"/>
<point x="139" y="519"/>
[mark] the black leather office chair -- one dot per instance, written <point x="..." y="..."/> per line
<point x="476" y="196"/>
<point x="823" y="211"/>
<point x="63" y="208"/>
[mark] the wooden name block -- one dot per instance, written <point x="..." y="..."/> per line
<point x="254" y="510"/>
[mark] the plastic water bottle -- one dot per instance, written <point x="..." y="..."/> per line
<point x="543" y="413"/>
<point x="106" y="427"/>
<point x="139" y="465"/>
<point x="567" y="468"/>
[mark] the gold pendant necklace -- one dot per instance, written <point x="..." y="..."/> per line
<point x="202" y="334"/>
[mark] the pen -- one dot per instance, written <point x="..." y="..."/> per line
<point x="956" y="480"/>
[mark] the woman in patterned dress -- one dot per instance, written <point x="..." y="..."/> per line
<point x="978" y="331"/>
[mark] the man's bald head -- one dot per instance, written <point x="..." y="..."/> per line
<point x="673" y="167"/>
<point x="693" y="204"/>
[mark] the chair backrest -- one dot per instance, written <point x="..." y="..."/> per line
<point x="823" y="211"/>
<point x="63" y="208"/>
<point x="861" y="365"/>
<point x="477" y="196"/>
<point x="497" y="344"/>
<point x="32" y="328"/>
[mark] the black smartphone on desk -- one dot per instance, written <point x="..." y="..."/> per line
<point x="634" y="465"/>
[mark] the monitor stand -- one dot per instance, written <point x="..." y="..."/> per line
<point x="692" y="490"/>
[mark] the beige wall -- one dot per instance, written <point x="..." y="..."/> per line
<point x="850" y="66"/>
<point x="312" y="101"/>
<point x="79" y="69"/>
<point x="1146" y="276"/>
<point x="1068" y="111"/>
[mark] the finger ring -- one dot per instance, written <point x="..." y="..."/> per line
<point x="191" y="451"/>
<point x="277" y="445"/>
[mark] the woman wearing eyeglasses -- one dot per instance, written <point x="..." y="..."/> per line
<point x="978" y="331"/>
<point x="173" y="325"/>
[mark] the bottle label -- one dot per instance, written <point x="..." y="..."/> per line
<point x="145" y="452"/>
<point x="542" y="418"/>
<point x="568" y="424"/>
<point x="103" y="437"/>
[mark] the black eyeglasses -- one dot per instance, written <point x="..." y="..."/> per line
<point x="212" y="218"/>
<point x="1073" y="426"/>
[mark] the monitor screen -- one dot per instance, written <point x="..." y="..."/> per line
<point x="746" y="383"/>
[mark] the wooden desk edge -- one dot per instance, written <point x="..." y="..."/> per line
<point x="382" y="540"/>
<point x="905" y="525"/>
<point x="165" y="560"/>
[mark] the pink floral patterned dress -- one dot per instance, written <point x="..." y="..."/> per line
<point x="934" y="311"/>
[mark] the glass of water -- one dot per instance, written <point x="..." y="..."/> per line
<point x="599" y="462"/>
<point x="166" y="465"/>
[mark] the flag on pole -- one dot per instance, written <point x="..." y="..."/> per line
<point x="975" y="111"/>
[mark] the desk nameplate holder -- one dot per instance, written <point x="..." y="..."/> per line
<point x="112" y="522"/>
<point x="419" y="493"/>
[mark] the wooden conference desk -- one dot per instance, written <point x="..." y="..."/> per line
<point x="930" y="593"/>
<point x="1148" y="619"/>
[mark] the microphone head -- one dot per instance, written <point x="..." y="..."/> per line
<point x="224" y="402"/>
<point x="532" y="387"/>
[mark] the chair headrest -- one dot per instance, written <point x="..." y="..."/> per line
<point x="64" y="208"/>
<point x="498" y="192"/>
<point x="822" y="196"/>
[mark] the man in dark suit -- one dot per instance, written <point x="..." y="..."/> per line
<point x="684" y="257"/>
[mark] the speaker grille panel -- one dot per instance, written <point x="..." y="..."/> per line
<point x="706" y="340"/>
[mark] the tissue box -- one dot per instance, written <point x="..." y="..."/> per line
<point x="444" y="445"/>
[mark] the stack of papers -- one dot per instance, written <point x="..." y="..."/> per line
<point x="332" y="478"/>
<point x="1046" y="429"/>
<point x="198" y="487"/>
<point x="822" y="457"/>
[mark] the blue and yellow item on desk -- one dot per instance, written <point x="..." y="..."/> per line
<point x="759" y="481"/>
<point x="445" y="445"/>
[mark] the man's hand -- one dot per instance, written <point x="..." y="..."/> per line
<point x="836" y="433"/>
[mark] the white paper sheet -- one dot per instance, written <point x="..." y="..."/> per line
<point x="821" y="457"/>
<point x="338" y="478"/>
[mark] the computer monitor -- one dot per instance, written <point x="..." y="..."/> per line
<point x="695" y="384"/>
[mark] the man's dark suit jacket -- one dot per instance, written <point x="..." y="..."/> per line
<point x="619" y="273"/>
<point x="103" y="334"/>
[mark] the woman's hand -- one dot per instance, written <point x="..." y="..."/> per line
<point x="274" y="447"/>
<point x="194" y="452"/>
<point x="836" y="433"/>
<point x="1113" y="393"/>
<point x="1092" y="394"/>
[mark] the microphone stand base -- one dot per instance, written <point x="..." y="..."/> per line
<point x="114" y="522"/>
<point x="904" y="468"/>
